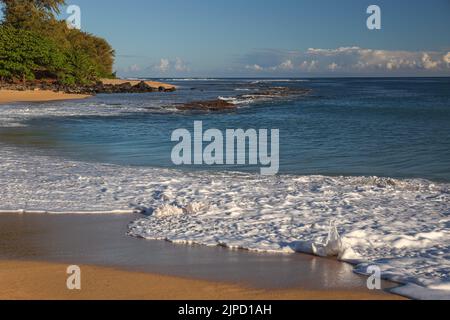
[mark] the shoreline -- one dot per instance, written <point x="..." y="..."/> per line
<point x="362" y="220"/>
<point x="44" y="92"/>
<point x="23" y="280"/>
<point x="36" y="250"/>
<point x="55" y="228"/>
<point x="15" y="96"/>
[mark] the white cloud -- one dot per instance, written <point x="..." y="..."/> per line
<point x="131" y="69"/>
<point x="167" y="66"/>
<point x="333" y="66"/>
<point x="446" y="58"/>
<point x="163" y="66"/>
<point x="309" y="65"/>
<point x="314" y="65"/>
<point x="180" y="66"/>
<point x="428" y="62"/>
<point x="350" y="60"/>
<point x="333" y="52"/>
<point x="135" y="68"/>
<point x="254" y="67"/>
<point x="286" y="65"/>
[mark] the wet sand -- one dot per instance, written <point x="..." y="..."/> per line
<point x="118" y="266"/>
<point x="10" y="96"/>
<point x="44" y="281"/>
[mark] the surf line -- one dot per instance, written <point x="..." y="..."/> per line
<point x="112" y="212"/>
<point x="235" y="148"/>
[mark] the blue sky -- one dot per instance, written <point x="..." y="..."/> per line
<point x="213" y="38"/>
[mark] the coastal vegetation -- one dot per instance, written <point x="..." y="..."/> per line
<point x="35" y="45"/>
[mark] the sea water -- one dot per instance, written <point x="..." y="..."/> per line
<point x="367" y="157"/>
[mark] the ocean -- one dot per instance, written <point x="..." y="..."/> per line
<point x="364" y="162"/>
<point x="396" y="128"/>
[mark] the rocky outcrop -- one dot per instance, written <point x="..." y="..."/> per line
<point x="210" y="105"/>
<point x="260" y="94"/>
<point x="99" y="87"/>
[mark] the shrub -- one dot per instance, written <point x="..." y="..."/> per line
<point x="23" y="54"/>
<point x="34" y="44"/>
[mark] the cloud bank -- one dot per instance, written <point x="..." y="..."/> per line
<point x="166" y="66"/>
<point x="163" y="68"/>
<point x="347" y="60"/>
<point x="343" y="61"/>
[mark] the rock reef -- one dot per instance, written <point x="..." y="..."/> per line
<point x="232" y="103"/>
<point x="209" y="105"/>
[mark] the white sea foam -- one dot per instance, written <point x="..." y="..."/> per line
<point x="249" y="98"/>
<point x="414" y="291"/>
<point x="167" y="210"/>
<point x="14" y="115"/>
<point x="237" y="101"/>
<point x="400" y="225"/>
<point x="195" y="79"/>
<point x="278" y="80"/>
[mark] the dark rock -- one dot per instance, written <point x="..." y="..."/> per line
<point x="45" y="86"/>
<point x="142" y="87"/>
<point x="98" y="87"/>
<point x="210" y="105"/>
<point x="125" y="87"/>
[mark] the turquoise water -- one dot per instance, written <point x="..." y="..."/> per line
<point x="353" y="127"/>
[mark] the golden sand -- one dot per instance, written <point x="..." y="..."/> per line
<point x="9" y="96"/>
<point x="47" y="281"/>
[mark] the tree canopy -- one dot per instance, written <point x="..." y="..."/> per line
<point x="24" y="54"/>
<point x="34" y="44"/>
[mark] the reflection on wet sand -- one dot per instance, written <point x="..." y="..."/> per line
<point x="102" y="240"/>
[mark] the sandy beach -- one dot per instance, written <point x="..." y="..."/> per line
<point x="11" y="96"/>
<point x="35" y="251"/>
<point x="47" y="281"/>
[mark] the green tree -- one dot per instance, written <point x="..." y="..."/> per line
<point x="30" y="14"/>
<point x="85" y="57"/>
<point x="97" y="49"/>
<point x="81" y="70"/>
<point x="24" y="54"/>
